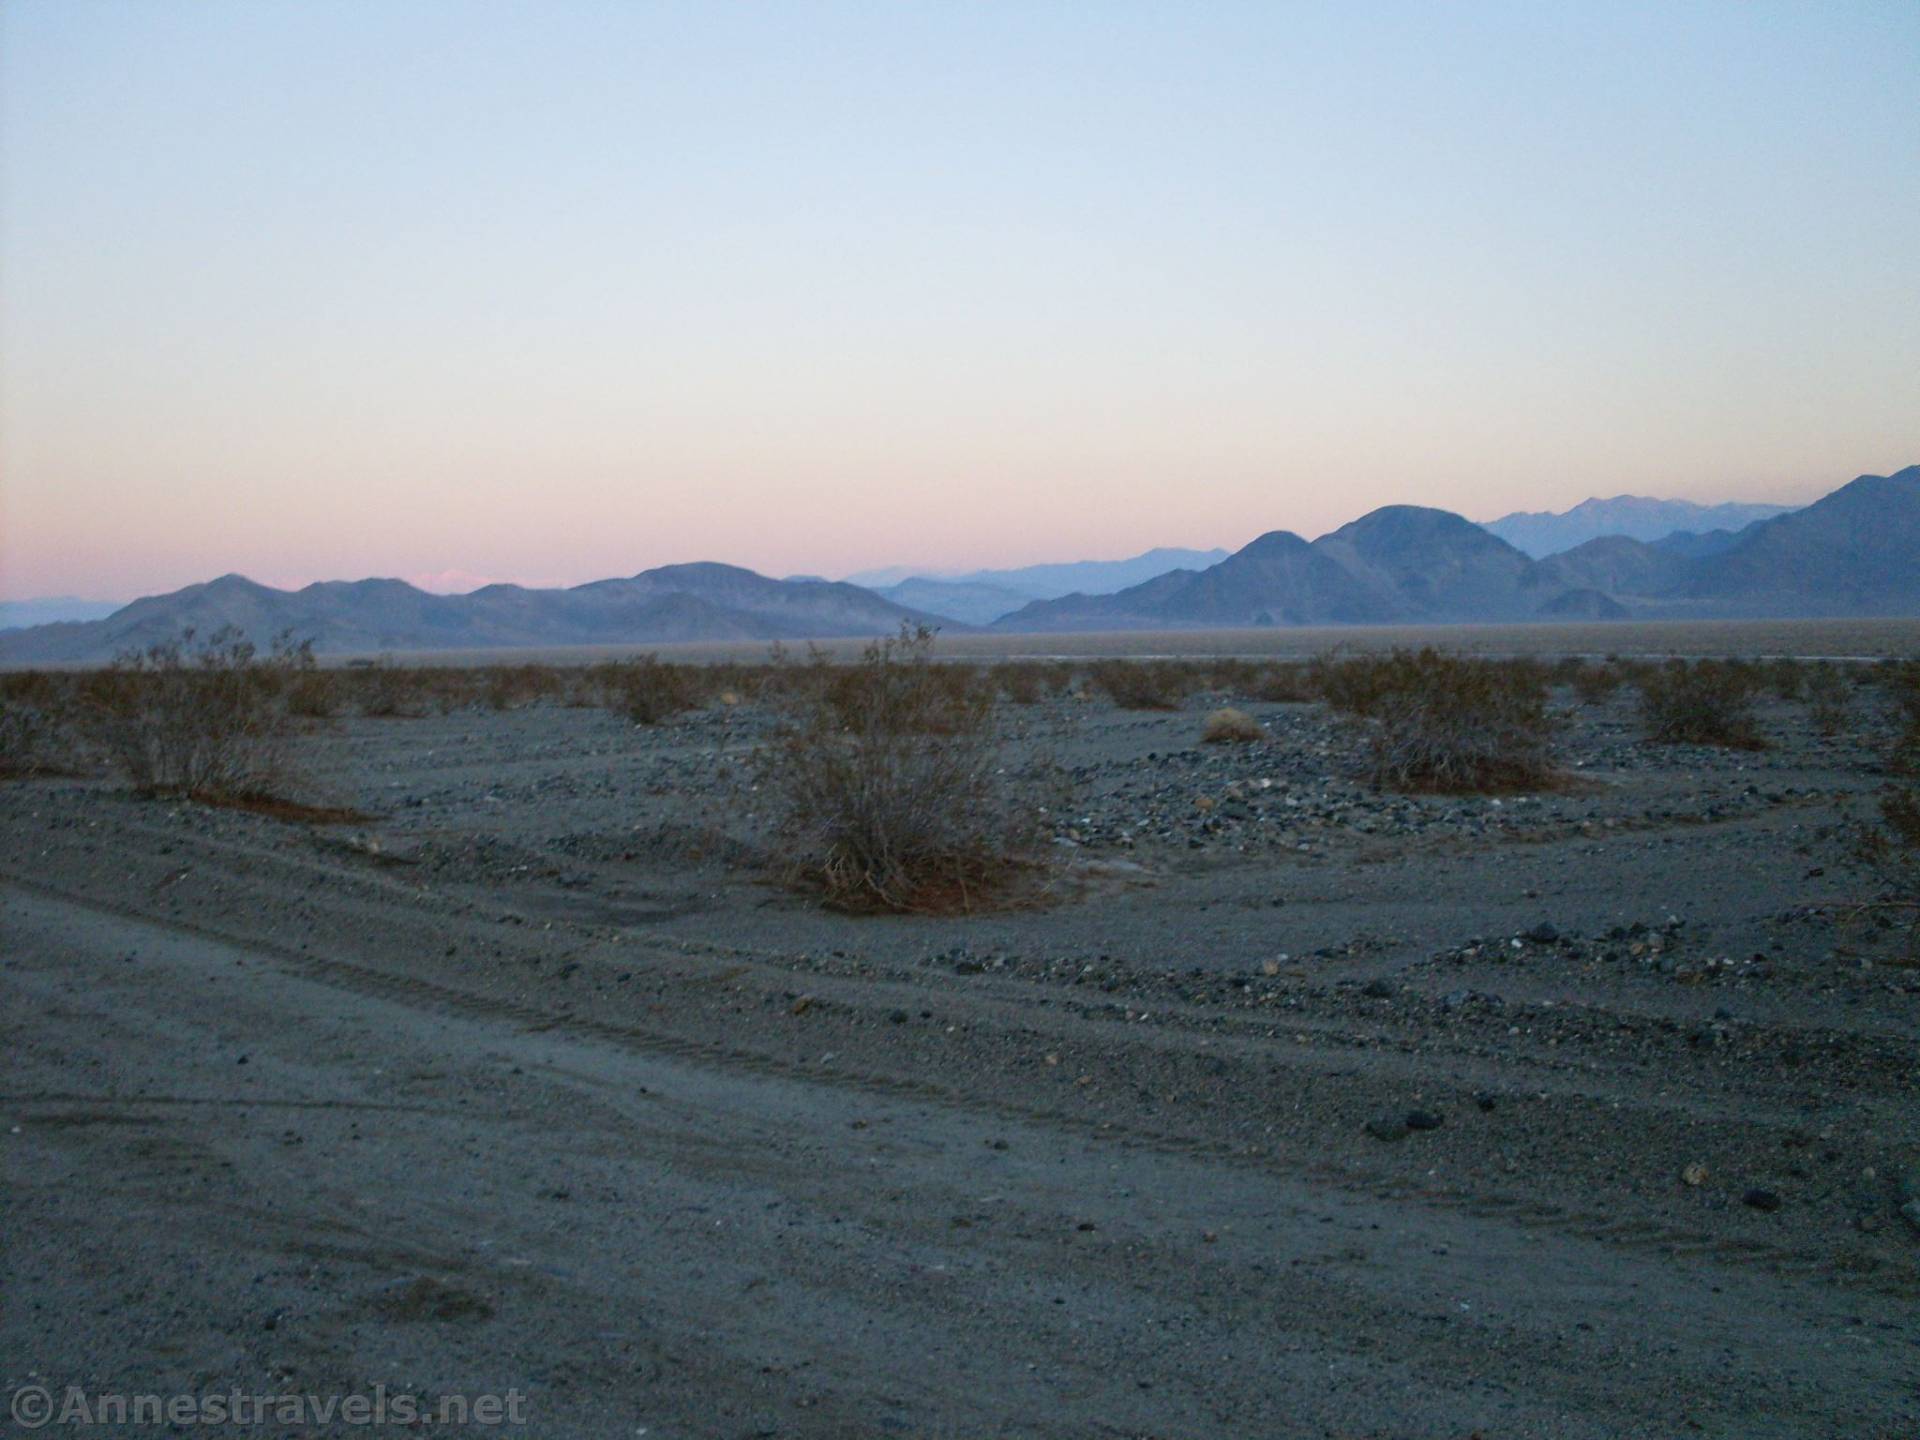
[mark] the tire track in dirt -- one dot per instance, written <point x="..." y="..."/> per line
<point x="1646" y="1236"/>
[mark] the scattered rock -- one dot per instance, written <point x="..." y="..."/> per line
<point x="1425" y="1120"/>
<point x="1378" y="989"/>
<point x="1694" y="1175"/>
<point x="1758" y="1199"/>
<point x="1387" y="1127"/>
<point x="1543" y="934"/>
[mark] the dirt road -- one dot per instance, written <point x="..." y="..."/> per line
<point x="226" y="1164"/>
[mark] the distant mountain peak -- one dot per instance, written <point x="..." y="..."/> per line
<point x="1541" y="533"/>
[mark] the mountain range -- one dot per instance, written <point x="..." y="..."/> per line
<point x="980" y="596"/>
<point x="51" y="609"/>
<point x="1854" y="552"/>
<point x="673" y="603"/>
<point x="1541" y="533"/>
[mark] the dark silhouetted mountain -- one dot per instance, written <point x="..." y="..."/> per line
<point x="1433" y="565"/>
<point x="1541" y="533"/>
<point x="1616" y="565"/>
<point x="1692" y="544"/>
<point x="1279" y="579"/>
<point x="673" y="603"/>
<point x="1857" y="552"/>
<point x="1398" y="564"/>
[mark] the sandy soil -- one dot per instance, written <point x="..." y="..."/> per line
<point x="533" y="1082"/>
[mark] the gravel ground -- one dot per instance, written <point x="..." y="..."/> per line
<point x="1297" y="1109"/>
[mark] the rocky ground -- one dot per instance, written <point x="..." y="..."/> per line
<point x="1297" y="1109"/>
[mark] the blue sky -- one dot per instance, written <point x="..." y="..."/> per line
<point x="554" y="291"/>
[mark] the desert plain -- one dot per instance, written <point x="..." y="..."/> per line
<point x="1292" y="1106"/>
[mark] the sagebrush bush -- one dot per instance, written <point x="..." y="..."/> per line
<point x="1892" y="847"/>
<point x="315" y="694"/>
<point x="886" y="775"/>
<point x="1143" y="684"/>
<point x="1283" y="684"/>
<point x="898" y="686"/>
<point x="1230" y="676"/>
<point x="1022" y="682"/>
<point x="1702" y="702"/>
<point x="1829" y="698"/>
<point x="1902" y="682"/>
<point x="1444" y="723"/>
<point x="508" y="687"/>
<point x="1787" y="678"/>
<point x="1594" y="684"/>
<point x="203" y="719"/>
<point x="382" y="690"/>
<point x="648" y="691"/>
<point x="29" y="739"/>
<point x="1231" y="727"/>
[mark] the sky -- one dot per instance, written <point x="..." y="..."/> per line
<point x="560" y="290"/>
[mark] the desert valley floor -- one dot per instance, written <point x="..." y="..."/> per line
<point x="1299" y="1109"/>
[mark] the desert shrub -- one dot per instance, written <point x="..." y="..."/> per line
<point x="1594" y="684"/>
<point x="383" y="691"/>
<point x="315" y="694"/>
<point x="1361" y="684"/>
<point x="1231" y="676"/>
<point x="1901" y="681"/>
<point x="1022" y="682"/>
<point x="1443" y="723"/>
<point x="1787" y="678"/>
<point x="744" y="682"/>
<point x="31" y="742"/>
<point x="1705" y="702"/>
<point x="1350" y="684"/>
<point x="888" y="785"/>
<point x="508" y="687"/>
<point x="900" y="687"/>
<point x="1229" y="727"/>
<point x="1829" y="698"/>
<point x="1060" y="675"/>
<point x="648" y="691"/>
<point x="1283" y="684"/>
<point x="1891" y="848"/>
<point x="203" y="719"/>
<point x="1142" y="684"/>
